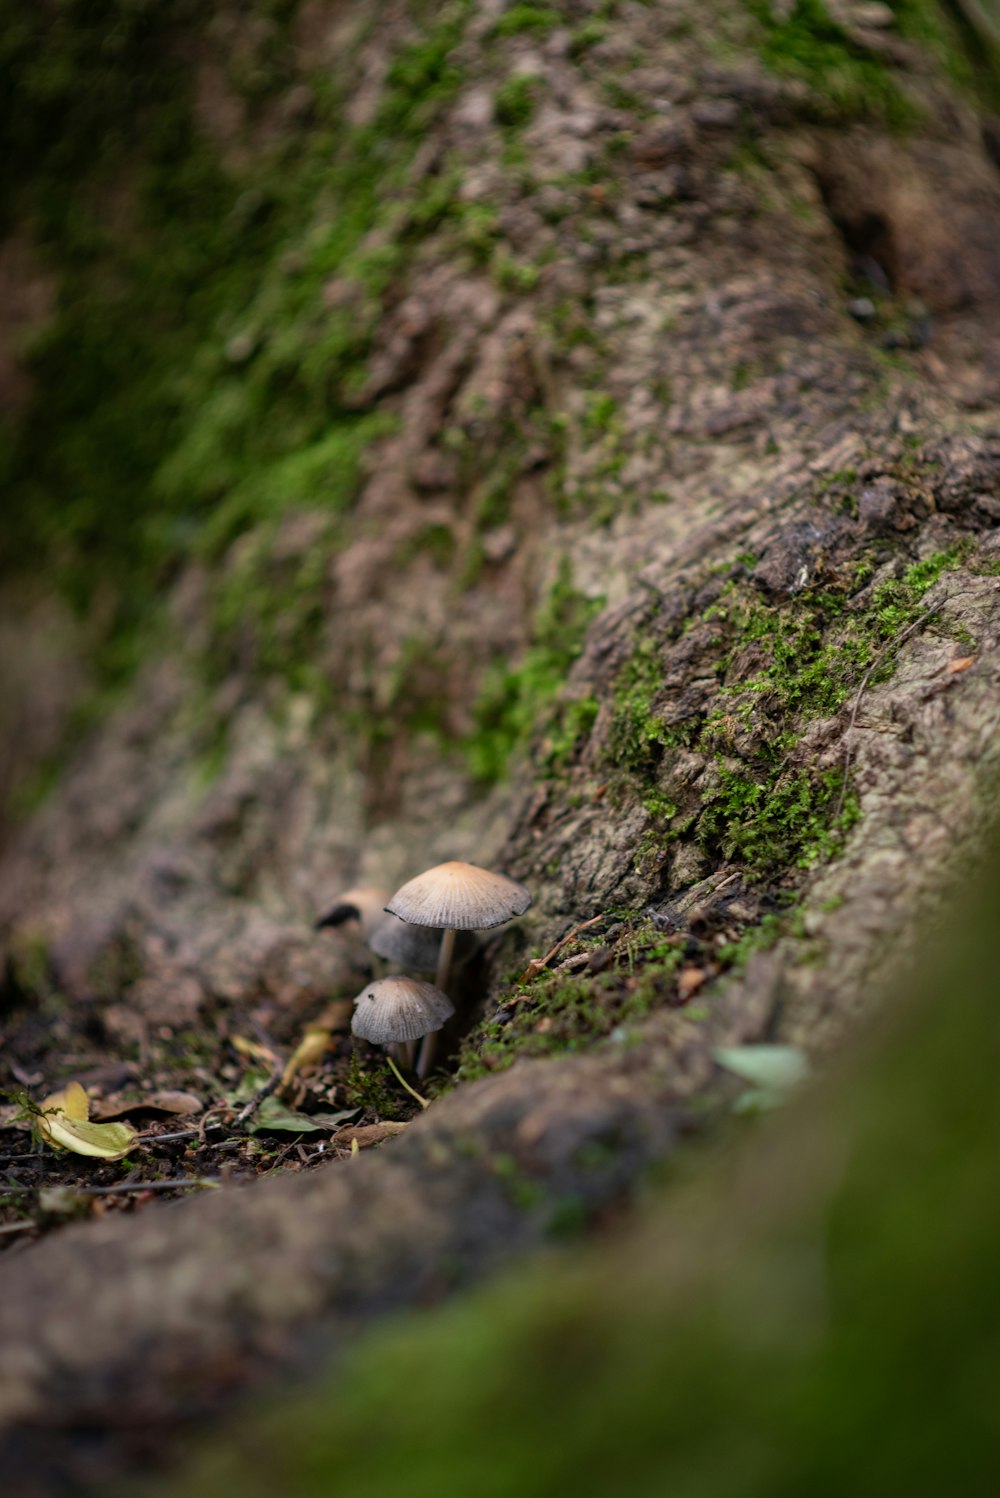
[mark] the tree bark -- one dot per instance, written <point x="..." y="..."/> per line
<point x="777" y="486"/>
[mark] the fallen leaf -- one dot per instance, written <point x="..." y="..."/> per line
<point x="774" y="1071"/>
<point x="64" y="1123"/>
<point x="181" y="1104"/>
<point x="689" y="981"/>
<point x="308" y="1053"/>
<point x="274" y="1114"/>
<point x="366" y="1135"/>
<point x="336" y="1016"/>
<point x="253" y="1049"/>
<point x="72" y="1101"/>
<point x="961" y="664"/>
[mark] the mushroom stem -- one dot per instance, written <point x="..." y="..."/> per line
<point x="444" y="959"/>
<point x="428" y="1050"/>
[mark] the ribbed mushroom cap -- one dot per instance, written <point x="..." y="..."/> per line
<point x="417" y="946"/>
<point x="394" y="1009"/>
<point x="366" y="905"/>
<point x="459" y="897"/>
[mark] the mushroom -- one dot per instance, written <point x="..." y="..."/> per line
<point x="366" y="905"/>
<point x="458" y="897"/>
<point x="397" y="1011"/>
<point x="417" y="947"/>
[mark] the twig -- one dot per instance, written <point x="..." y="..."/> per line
<point x="271" y="1085"/>
<point x="890" y="645"/>
<point x="539" y="964"/>
<point x="18" y="1227"/>
<point x="149" y="1138"/>
<point x="175" y="1185"/>
<point x="405" y="1084"/>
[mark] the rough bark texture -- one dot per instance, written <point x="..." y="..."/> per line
<point x="638" y="379"/>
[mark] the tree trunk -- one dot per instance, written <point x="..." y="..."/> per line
<point x="670" y="584"/>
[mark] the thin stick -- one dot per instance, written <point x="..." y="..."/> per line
<point x="539" y="964"/>
<point x="271" y="1085"/>
<point x="404" y="1083"/>
<point x="18" y="1227"/>
<point x="176" y="1185"/>
<point x="887" y="647"/>
<point x="148" y="1138"/>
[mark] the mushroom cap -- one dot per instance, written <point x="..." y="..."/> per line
<point x="459" y="897"/>
<point x="396" y="1008"/>
<point x="417" y="946"/>
<point x="366" y="905"/>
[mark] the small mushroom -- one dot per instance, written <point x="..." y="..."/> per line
<point x="456" y="897"/>
<point x="417" y="947"/>
<point x="366" y="905"/>
<point x="396" y="1011"/>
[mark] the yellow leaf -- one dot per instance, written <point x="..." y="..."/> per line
<point x="253" y="1049"/>
<point x="71" y="1100"/>
<point x="309" y="1052"/>
<point x="64" y="1124"/>
<point x="77" y="1104"/>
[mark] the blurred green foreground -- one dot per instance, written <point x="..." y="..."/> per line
<point x="818" y="1314"/>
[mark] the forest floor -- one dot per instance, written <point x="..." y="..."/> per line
<point x="568" y="440"/>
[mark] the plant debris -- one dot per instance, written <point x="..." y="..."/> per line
<point x="64" y="1122"/>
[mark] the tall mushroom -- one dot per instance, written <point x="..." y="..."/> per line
<point x="456" y="897"/>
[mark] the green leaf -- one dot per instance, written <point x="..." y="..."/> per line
<point x="273" y="1114"/>
<point x="776" y="1068"/>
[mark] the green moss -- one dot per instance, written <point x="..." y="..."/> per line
<point x="514" y="101"/>
<point x="852" y="84"/>
<point x="521" y="19"/>
<point x="478" y="228"/>
<point x="586" y="36"/>
<point x="522" y="1191"/>
<point x="639" y="734"/>
<point x="601" y="415"/>
<point x="511" y="274"/>
<point x="372" y="1086"/>
<point x="968" y="56"/>
<point x="556" y="1013"/>
<point x="773" y="820"/>
<point x="515" y="701"/>
<point x="779" y="666"/>
<point x="205" y="370"/>
<point x="435" y="540"/>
